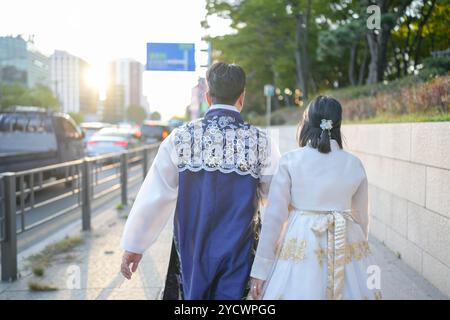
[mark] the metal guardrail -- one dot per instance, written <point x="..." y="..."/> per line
<point x="79" y="182"/>
<point x="2" y="211"/>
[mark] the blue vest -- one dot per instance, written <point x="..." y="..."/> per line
<point x="219" y="159"/>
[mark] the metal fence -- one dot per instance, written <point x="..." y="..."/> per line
<point x="29" y="199"/>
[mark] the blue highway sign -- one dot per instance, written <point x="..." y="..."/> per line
<point x="170" y="57"/>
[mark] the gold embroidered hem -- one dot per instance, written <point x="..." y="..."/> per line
<point x="376" y="296"/>
<point x="356" y="250"/>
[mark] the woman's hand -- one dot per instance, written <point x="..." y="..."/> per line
<point x="256" y="288"/>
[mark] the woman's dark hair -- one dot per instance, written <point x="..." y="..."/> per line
<point x="226" y="82"/>
<point x="321" y="107"/>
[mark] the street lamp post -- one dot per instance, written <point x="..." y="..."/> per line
<point x="269" y="92"/>
<point x="209" y="51"/>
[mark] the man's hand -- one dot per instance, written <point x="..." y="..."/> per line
<point x="256" y="289"/>
<point x="127" y="259"/>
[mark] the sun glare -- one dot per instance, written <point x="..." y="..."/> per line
<point x="96" y="77"/>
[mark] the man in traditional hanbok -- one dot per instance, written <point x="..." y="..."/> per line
<point x="212" y="173"/>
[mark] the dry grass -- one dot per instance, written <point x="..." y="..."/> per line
<point x="419" y="102"/>
<point x="38" y="262"/>
<point x="405" y="100"/>
<point x="36" y="286"/>
<point x="38" y="271"/>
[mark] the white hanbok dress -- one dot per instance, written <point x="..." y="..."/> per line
<point x="313" y="243"/>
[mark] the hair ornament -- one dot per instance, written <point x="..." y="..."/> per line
<point x="326" y="124"/>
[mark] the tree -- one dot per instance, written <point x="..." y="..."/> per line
<point x="314" y="45"/>
<point x="421" y="30"/>
<point x="42" y="96"/>
<point x="262" y="45"/>
<point x="155" y="115"/>
<point x="77" y="117"/>
<point x="346" y="41"/>
<point x="301" y="13"/>
<point x="11" y="95"/>
<point x="136" y="114"/>
<point x="38" y="96"/>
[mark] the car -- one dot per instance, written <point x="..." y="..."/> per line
<point x="113" y="139"/>
<point x="32" y="137"/>
<point x="135" y="128"/>
<point x="89" y="128"/>
<point x="175" y="123"/>
<point x="154" y="131"/>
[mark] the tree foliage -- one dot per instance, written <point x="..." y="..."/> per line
<point x="155" y="115"/>
<point x="77" y="117"/>
<point x="136" y="114"/>
<point x="18" y="95"/>
<point x="308" y="46"/>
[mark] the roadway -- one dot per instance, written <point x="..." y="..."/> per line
<point x="70" y="201"/>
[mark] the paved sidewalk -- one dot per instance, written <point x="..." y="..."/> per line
<point x="98" y="259"/>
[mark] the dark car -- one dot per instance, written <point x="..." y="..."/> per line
<point x="32" y="137"/>
<point x="154" y="131"/>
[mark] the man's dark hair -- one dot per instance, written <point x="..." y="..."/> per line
<point x="226" y="82"/>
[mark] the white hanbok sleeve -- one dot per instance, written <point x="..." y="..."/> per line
<point x="268" y="170"/>
<point x="360" y="203"/>
<point x="275" y="215"/>
<point x="155" y="201"/>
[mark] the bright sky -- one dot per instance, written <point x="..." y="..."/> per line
<point x="103" y="30"/>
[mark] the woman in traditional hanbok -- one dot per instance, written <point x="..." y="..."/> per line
<point x="313" y="243"/>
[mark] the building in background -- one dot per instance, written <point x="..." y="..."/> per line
<point x="69" y="83"/>
<point x="145" y="104"/>
<point x="22" y="63"/>
<point x="199" y="105"/>
<point x="124" y="89"/>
